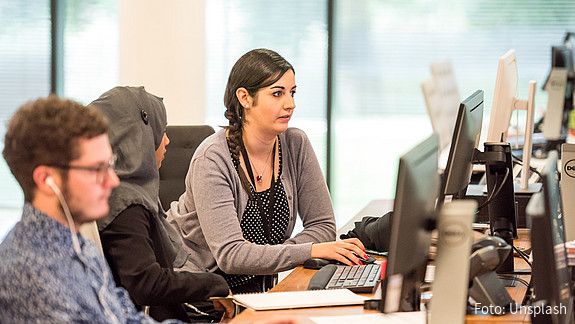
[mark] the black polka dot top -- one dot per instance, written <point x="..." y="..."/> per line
<point x="252" y="224"/>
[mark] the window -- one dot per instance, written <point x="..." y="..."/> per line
<point x="382" y="51"/>
<point x="381" y="54"/>
<point x="25" y="44"/>
<point x="297" y="31"/>
<point x="25" y="66"/>
<point x="90" y="58"/>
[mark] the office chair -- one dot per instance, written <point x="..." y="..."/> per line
<point x="183" y="143"/>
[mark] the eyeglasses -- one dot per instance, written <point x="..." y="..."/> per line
<point x="102" y="170"/>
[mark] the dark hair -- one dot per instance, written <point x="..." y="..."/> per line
<point x="46" y="132"/>
<point x="256" y="69"/>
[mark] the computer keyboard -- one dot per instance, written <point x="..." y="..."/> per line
<point x="357" y="278"/>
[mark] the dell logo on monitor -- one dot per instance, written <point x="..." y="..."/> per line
<point x="557" y="84"/>
<point x="570" y="168"/>
<point x="453" y="233"/>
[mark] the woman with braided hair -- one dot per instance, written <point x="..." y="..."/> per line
<point x="248" y="182"/>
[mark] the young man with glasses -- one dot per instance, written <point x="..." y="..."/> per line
<point x="60" y="154"/>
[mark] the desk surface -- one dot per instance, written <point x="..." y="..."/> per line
<point x="299" y="279"/>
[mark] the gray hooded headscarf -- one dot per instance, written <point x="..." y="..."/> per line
<point x="137" y="126"/>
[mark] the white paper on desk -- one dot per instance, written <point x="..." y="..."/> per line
<point x="392" y="318"/>
<point x="299" y="299"/>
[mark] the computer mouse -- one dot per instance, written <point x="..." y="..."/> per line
<point x="316" y="263"/>
<point x="369" y="259"/>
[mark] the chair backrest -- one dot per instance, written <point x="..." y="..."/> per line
<point x="183" y="143"/>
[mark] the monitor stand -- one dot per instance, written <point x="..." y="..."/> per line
<point x="479" y="193"/>
<point x="487" y="290"/>
<point x="401" y="292"/>
<point x="503" y="206"/>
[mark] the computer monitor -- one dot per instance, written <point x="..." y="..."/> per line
<point x="441" y="100"/>
<point x="504" y="96"/>
<point x="411" y="225"/>
<point x="497" y="157"/>
<point x="550" y="273"/>
<point x="465" y="140"/>
<point x="559" y="87"/>
<point x="505" y="101"/>
<point x="562" y="57"/>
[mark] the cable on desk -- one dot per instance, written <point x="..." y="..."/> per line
<point x="522" y="255"/>
<point x="494" y="193"/>
<point x="514" y="277"/>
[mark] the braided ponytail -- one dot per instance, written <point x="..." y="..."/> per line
<point x="234" y="131"/>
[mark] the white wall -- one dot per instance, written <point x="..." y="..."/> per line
<point x="162" y="48"/>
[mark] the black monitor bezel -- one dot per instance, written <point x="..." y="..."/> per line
<point x="470" y="111"/>
<point x="416" y="190"/>
<point x="546" y="224"/>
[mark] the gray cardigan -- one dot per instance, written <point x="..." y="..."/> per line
<point x="208" y="214"/>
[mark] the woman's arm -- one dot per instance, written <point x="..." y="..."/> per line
<point x="130" y="252"/>
<point x="314" y="203"/>
<point x="315" y="207"/>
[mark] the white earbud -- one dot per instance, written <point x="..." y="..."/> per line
<point x="50" y="183"/>
<point x="76" y="247"/>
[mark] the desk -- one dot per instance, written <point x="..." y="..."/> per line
<point x="299" y="279"/>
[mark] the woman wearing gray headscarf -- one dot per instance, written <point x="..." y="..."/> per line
<point x="140" y="246"/>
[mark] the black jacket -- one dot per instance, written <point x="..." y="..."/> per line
<point x="140" y="263"/>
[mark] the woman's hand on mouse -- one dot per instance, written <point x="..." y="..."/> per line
<point x="345" y="251"/>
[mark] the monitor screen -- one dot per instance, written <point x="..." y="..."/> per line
<point x="559" y="87"/>
<point x="504" y="96"/>
<point x="505" y="101"/>
<point x="562" y="57"/>
<point x="463" y="144"/>
<point x="550" y="275"/>
<point x="414" y="212"/>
